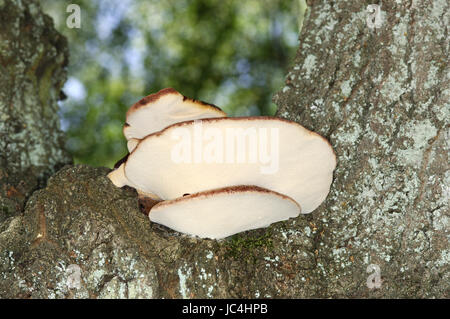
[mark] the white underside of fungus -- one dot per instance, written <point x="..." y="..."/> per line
<point x="159" y="110"/>
<point x="223" y="212"/>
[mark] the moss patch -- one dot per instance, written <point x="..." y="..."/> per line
<point x="242" y="246"/>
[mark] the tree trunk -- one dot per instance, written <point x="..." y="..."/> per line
<point x="33" y="57"/>
<point x="380" y="96"/>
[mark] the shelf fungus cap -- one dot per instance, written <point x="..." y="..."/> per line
<point x="132" y="143"/>
<point x="119" y="179"/>
<point x="288" y="159"/>
<point x="117" y="176"/>
<point x="220" y="213"/>
<point x="159" y="110"/>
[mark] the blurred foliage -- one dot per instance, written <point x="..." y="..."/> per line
<point x="230" y="53"/>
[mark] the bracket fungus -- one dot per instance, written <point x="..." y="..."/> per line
<point x="159" y="110"/>
<point x="222" y="212"/>
<point x="303" y="168"/>
<point x="214" y="160"/>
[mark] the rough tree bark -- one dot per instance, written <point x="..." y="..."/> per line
<point x="381" y="97"/>
<point x="33" y="57"/>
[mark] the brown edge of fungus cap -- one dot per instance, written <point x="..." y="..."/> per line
<point x="151" y="98"/>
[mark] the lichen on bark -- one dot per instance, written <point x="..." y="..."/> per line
<point x="33" y="57"/>
<point x="382" y="98"/>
